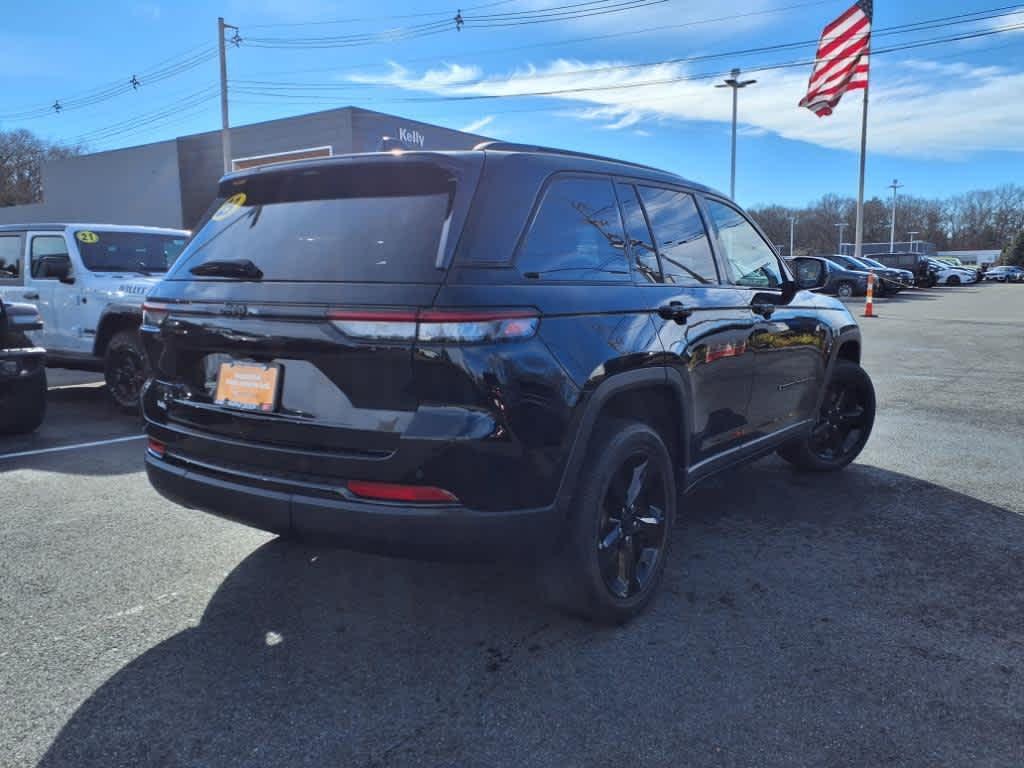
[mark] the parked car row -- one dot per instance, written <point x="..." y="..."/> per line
<point x="848" y="276"/>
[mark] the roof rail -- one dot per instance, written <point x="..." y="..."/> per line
<point x="511" y="146"/>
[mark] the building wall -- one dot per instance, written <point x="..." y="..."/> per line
<point x="202" y="162"/>
<point x="172" y="183"/>
<point x="137" y="185"/>
<point x="368" y="128"/>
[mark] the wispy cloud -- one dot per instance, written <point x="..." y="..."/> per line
<point x="478" y="125"/>
<point x="950" y="111"/>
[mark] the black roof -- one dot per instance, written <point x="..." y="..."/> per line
<point x="554" y="159"/>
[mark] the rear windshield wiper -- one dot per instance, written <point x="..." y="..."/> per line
<point x="240" y="268"/>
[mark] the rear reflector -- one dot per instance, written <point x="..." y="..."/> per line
<point x="450" y="326"/>
<point x="423" y="494"/>
<point x="156" y="448"/>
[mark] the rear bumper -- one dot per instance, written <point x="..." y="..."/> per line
<point x="428" y="532"/>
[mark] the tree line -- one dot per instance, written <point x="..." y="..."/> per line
<point x="22" y="155"/>
<point x="979" y="220"/>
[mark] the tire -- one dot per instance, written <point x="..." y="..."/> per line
<point x="843" y="426"/>
<point x="844" y="289"/>
<point x="952" y="280"/>
<point x="25" y="408"/>
<point x="602" y="571"/>
<point x="125" y="369"/>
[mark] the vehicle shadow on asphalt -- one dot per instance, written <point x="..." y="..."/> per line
<point x="861" y="618"/>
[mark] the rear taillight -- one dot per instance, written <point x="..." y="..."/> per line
<point x="419" y="494"/>
<point x="154" y="314"/>
<point x="156" y="448"/>
<point x="438" y="326"/>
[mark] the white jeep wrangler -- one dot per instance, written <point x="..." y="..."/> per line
<point x="88" y="282"/>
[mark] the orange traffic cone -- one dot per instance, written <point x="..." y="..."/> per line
<point x="869" y="305"/>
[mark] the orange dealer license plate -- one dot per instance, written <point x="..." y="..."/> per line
<point x="249" y="386"/>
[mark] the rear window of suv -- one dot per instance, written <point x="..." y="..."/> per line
<point x="343" y="224"/>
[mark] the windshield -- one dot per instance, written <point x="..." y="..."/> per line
<point x="873" y="263"/>
<point x="146" y="252"/>
<point x="337" y="224"/>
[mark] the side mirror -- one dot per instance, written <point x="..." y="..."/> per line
<point x="810" y="274"/>
<point x="58" y="267"/>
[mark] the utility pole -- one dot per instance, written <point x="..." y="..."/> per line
<point x="735" y="83"/>
<point x="912" y="239"/>
<point x="842" y="225"/>
<point x="225" y="126"/>
<point x="792" y="228"/>
<point x="892" y="232"/>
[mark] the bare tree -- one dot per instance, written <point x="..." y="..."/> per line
<point x="22" y="155"/>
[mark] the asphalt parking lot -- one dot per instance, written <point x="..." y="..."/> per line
<point x="875" y="617"/>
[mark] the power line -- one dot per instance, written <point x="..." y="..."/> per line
<point x="423" y="14"/>
<point x="545" y="15"/>
<point x="160" y="72"/>
<point x="662" y="81"/>
<point x="936" y="23"/>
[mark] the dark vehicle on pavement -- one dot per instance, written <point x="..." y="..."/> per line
<point x="840" y="280"/>
<point x="510" y="351"/>
<point x="1005" y="274"/>
<point x="886" y="280"/>
<point x="904" y="277"/>
<point x="917" y="263"/>
<point x="22" y="370"/>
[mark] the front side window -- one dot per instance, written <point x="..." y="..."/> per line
<point x="576" y="234"/>
<point x="10" y="259"/>
<point x="48" y="252"/>
<point x="680" y="237"/>
<point x="751" y="260"/>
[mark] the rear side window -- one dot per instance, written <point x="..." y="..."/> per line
<point x="10" y="258"/>
<point x="680" y="236"/>
<point x="339" y="224"/>
<point x="576" y="234"/>
<point x="641" y="245"/>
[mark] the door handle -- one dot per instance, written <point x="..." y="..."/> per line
<point x="675" y="310"/>
<point x="31" y="296"/>
<point x="765" y="310"/>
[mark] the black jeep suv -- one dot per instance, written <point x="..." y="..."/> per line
<point x="22" y="370"/>
<point x="487" y="352"/>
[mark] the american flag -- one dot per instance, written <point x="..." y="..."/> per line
<point x="841" y="63"/>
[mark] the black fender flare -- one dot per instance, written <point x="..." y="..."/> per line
<point x="586" y="422"/>
<point x="114" y="311"/>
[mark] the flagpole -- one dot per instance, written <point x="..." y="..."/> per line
<point x="859" y="237"/>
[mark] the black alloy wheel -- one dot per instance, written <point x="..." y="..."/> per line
<point x="631" y="534"/>
<point x="953" y="280"/>
<point x="844" y="422"/>
<point x="612" y="555"/>
<point x="845" y="289"/>
<point x="126" y="369"/>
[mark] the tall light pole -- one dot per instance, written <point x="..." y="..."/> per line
<point x="735" y="83"/>
<point x="842" y="225"/>
<point x="792" y="228"/>
<point x="892" y="232"/>
<point x="912" y="239"/>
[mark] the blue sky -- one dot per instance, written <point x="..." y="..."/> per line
<point x="944" y="119"/>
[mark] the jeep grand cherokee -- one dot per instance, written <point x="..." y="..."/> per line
<point x="510" y="349"/>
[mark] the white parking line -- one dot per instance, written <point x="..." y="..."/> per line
<point x="75" y="447"/>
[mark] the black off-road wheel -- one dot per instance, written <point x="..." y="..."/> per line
<point x="612" y="559"/>
<point x="126" y="369"/>
<point x="844" y="422"/>
<point x="24" y="408"/>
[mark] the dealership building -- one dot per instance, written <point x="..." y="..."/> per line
<point x="171" y="183"/>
